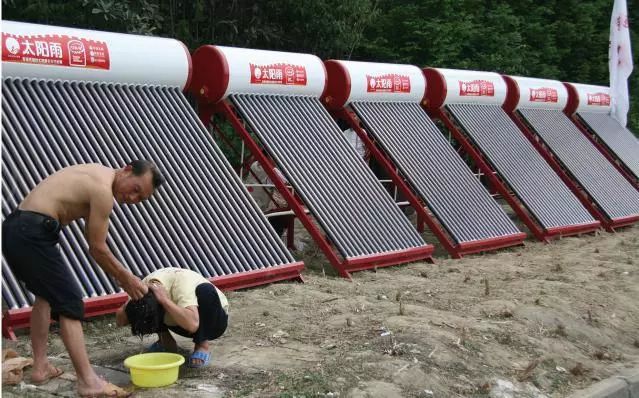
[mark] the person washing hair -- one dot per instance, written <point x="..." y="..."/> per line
<point x="184" y="302"/>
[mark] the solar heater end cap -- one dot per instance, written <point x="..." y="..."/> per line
<point x="436" y="90"/>
<point x="573" y="99"/>
<point x="512" y="94"/>
<point x="210" y="73"/>
<point x="338" y="88"/>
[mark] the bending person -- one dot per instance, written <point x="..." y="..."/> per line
<point x="184" y="302"/>
<point x="30" y="237"/>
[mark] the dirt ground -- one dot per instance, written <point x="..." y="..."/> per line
<point x="538" y="320"/>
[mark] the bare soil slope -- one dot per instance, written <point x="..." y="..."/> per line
<point x="549" y="319"/>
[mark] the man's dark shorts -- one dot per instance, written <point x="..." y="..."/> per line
<point x="30" y="246"/>
<point x="213" y="318"/>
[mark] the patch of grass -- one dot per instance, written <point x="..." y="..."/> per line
<point x="558" y="380"/>
<point x="560" y="330"/>
<point x="504" y="338"/>
<point x="308" y="384"/>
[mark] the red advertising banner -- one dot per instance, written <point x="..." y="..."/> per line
<point x="285" y="74"/>
<point x="599" y="99"/>
<point x="388" y="83"/>
<point x="58" y="50"/>
<point x="543" y="94"/>
<point x="476" y="88"/>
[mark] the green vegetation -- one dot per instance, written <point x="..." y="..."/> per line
<point x="556" y="39"/>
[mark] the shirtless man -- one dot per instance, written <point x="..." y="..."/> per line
<point x="30" y="239"/>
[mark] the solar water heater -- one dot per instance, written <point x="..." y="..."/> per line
<point x="272" y="101"/>
<point x="97" y="97"/>
<point x="589" y="107"/>
<point x="608" y="195"/>
<point x="382" y="103"/>
<point x="470" y="103"/>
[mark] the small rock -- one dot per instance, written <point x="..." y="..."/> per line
<point x="266" y="313"/>
<point x="280" y="334"/>
<point x="208" y="388"/>
<point x="68" y="376"/>
<point x="328" y="345"/>
<point x="25" y="386"/>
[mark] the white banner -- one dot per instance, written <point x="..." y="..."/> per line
<point x="620" y="61"/>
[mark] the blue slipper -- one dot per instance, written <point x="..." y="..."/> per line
<point x="205" y="357"/>
<point x="156" y="347"/>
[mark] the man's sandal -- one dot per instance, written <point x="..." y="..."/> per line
<point x="109" y="390"/>
<point x="52" y="375"/>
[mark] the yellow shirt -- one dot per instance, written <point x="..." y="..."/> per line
<point x="180" y="286"/>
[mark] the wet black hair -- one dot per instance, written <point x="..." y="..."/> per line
<point x="146" y="315"/>
<point x="140" y="167"/>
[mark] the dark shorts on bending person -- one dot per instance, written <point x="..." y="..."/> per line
<point x="213" y="318"/>
<point x="30" y="246"/>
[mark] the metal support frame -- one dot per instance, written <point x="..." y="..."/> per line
<point x="544" y="235"/>
<point x="343" y="266"/>
<point x="608" y="154"/>
<point x="572" y="184"/>
<point x="456" y="250"/>
<point x="246" y="166"/>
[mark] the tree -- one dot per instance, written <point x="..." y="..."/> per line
<point x="556" y="39"/>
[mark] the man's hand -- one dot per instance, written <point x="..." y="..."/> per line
<point x="134" y="287"/>
<point x="159" y="292"/>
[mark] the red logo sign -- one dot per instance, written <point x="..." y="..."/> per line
<point x="543" y="94"/>
<point x="599" y="99"/>
<point x="278" y="74"/>
<point x="388" y="83"/>
<point x="59" y="50"/>
<point x="476" y="88"/>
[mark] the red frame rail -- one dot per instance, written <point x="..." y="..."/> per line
<point x="20" y="318"/>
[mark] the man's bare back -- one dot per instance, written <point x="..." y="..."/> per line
<point x="87" y="191"/>
<point x="67" y="194"/>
